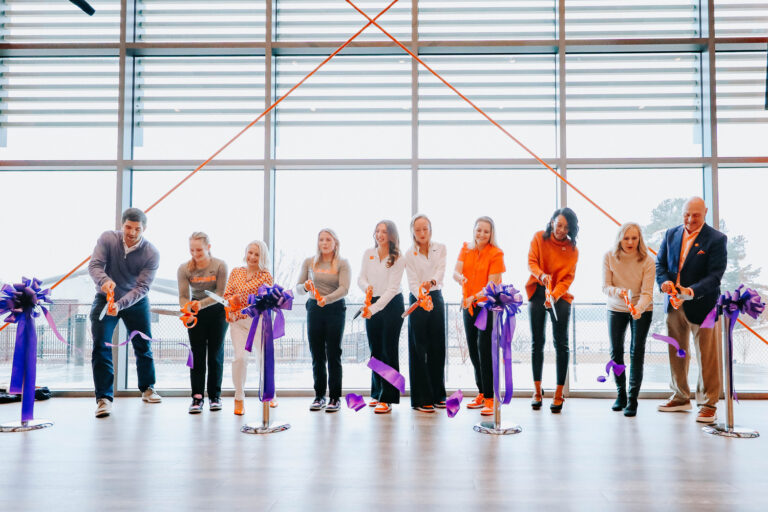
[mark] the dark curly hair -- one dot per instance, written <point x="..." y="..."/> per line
<point x="573" y="224"/>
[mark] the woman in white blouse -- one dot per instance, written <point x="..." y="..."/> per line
<point x="382" y="271"/>
<point x="425" y="267"/>
<point x="629" y="271"/>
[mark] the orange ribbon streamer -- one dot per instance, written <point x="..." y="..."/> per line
<point x="425" y="299"/>
<point x="111" y="309"/>
<point x="319" y="298"/>
<point x="632" y="309"/>
<point x="189" y="314"/>
<point x="367" y="304"/>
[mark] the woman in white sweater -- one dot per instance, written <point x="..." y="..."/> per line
<point x="628" y="275"/>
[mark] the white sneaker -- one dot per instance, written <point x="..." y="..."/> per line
<point x="150" y="396"/>
<point x="103" y="408"/>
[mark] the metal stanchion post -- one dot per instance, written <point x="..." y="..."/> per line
<point x="264" y="427"/>
<point x="495" y="427"/>
<point x="728" y="429"/>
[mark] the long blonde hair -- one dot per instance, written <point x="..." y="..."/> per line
<point x="492" y="240"/>
<point x="642" y="250"/>
<point x="318" y="257"/>
<point x="198" y="235"/>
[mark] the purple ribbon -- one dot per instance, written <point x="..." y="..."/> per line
<point x="617" y="368"/>
<point x="20" y="301"/>
<point x="190" y="358"/>
<point x="354" y="401"/>
<point x="387" y="373"/>
<point x="672" y="341"/>
<point x="504" y="301"/>
<point x="731" y="305"/>
<point x="260" y="307"/>
<point x="453" y="404"/>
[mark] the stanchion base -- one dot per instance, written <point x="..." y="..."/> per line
<point x="489" y="427"/>
<point x="25" y="426"/>
<point x="720" y="429"/>
<point x="259" y="428"/>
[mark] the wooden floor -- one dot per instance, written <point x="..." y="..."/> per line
<point x="158" y="457"/>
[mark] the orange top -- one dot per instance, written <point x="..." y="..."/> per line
<point x="553" y="257"/>
<point x="479" y="265"/>
<point x="239" y="287"/>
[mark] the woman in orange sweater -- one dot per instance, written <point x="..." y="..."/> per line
<point x="480" y="263"/>
<point x="552" y="263"/>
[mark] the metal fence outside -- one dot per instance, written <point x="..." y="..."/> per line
<point x="68" y="366"/>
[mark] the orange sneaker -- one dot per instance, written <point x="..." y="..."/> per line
<point x="239" y="407"/>
<point x="382" y="408"/>
<point x="488" y="408"/>
<point x="273" y="403"/>
<point x="373" y="403"/>
<point x="477" y="403"/>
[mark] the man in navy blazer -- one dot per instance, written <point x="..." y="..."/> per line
<point x="690" y="263"/>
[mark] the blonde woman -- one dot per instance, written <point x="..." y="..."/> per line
<point x="382" y="270"/>
<point x="479" y="263"/>
<point x="204" y="272"/>
<point x="629" y="271"/>
<point x="329" y="275"/>
<point x="244" y="281"/>
<point x="425" y="267"/>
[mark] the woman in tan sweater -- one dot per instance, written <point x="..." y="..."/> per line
<point x="629" y="271"/>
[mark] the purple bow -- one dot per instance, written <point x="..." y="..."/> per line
<point x="21" y="301"/>
<point x="504" y="301"/>
<point x="617" y="368"/>
<point x="260" y="307"/>
<point x="731" y="305"/>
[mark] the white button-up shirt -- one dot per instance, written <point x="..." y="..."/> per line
<point x="422" y="268"/>
<point x="385" y="281"/>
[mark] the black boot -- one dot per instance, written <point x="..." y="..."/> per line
<point x="631" y="408"/>
<point x="621" y="400"/>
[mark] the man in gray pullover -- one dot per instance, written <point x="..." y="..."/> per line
<point x="123" y="263"/>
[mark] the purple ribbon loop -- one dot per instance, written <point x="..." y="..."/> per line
<point x="731" y="304"/>
<point x="672" y="341"/>
<point x="260" y="307"/>
<point x="355" y="402"/>
<point x="504" y="302"/>
<point x="617" y="368"/>
<point x="190" y="358"/>
<point x="453" y="404"/>
<point x="20" y="302"/>
<point x="387" y="373"/>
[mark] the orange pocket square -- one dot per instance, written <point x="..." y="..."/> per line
<point x="700" y="252"/>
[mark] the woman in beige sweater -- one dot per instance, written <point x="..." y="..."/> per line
<point x="628" y="275"/>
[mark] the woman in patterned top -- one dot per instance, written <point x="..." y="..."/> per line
<point x="244" y="281"/>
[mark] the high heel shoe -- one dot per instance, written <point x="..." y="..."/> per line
<point x="239" y="407"/>
<point x="555" y="406"/>
<point x="536" y="401"/>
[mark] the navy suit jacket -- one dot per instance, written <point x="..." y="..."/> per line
<point x="702" y="270"/>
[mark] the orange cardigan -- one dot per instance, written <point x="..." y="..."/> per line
<point x="558" y="259"/>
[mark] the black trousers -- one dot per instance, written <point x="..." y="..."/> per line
<point x="325" y="329"/>
<point x="207" y="341"/>
<point x="617" y="327"/>
<point x="479" y="346"/>
<point x="426" y="352"/>
<point x="537" y="314"/>
<point x="383" y="331"/>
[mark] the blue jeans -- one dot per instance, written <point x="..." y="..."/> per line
<point x="135" y="318"/>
